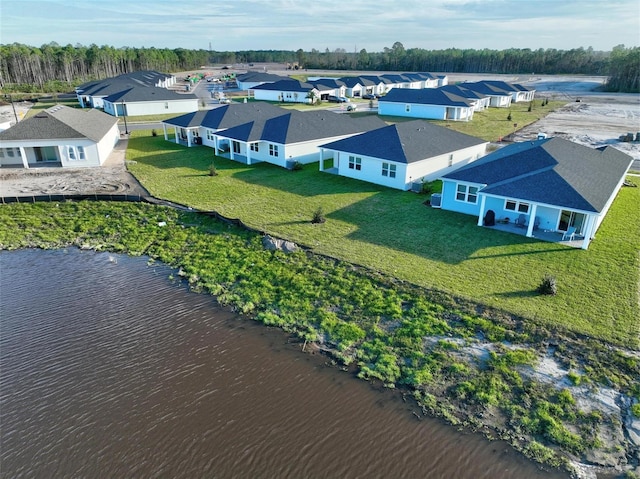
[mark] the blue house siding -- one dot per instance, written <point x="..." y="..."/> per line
<point x="432" y="112"/>
<point x="449" y="201"/>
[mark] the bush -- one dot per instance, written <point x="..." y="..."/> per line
<point x="548" y="285"/>
<point x="509" y="117"/>
<point x="154" y="132"/>
<point x="318" y="216"/>
<point x="297" y="166"/>
<point x="212" y="169"/>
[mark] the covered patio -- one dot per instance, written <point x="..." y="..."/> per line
<point x="550" y="236"/>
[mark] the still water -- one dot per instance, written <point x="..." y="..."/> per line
<point x="109" y="369"/>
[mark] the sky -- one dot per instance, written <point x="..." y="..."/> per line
<point x="352" y="25"/>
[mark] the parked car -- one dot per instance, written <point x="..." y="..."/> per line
<point x="333" y="98"/>
<point x="351" y="107"/>
<point x="343" y="99"/>
<point x="368" y="96"/>
<point x="224" y="100"/>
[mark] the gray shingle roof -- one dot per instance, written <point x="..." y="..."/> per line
<point x="227" y="116"/>
<point x="553" y="171"/>
<point x="425" y="96"/>
<point x="406" y="142"/>
<point x="286" y="85"/>
<point x="139" y="78"/>
<point x="295" y="126"/>
<point x="61" y="122"/>
<point x="148" y="93"/>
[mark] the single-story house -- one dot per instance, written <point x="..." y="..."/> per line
<point x="200" y="127"/>
<point x="378" y="85"/>
<point x="427" y="103"/>
<point x="356" y="86"/>
<point x="403" y="154"/>
<point x="478" y="100"/>
<point x="289" y="137"/>
<point x="549" y="188"/>
<point x="287" y="91"/>
<point x="422" y="80"/>
<point x="518" y="92"/>
<point x="498" y="97"/>
<point x="60" y="136"/>
<point x="329" y="86"/>
<point x="251" y="79"/>
<point x="92" y="93"/>
<point x="399" y="80"/>
<point x="139" y="100"/>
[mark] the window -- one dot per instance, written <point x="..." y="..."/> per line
<point x="255" y="147"/>
<point x="10" y="152"/>
<point x="467" y="193"/>
<point x="81" y="154"/>
<point x="518" y="206"/>
<point x="407" y="108"/>
<point x="355" y="163"/>
<point x="166" y="105"/>
<point x="273" y="150"/>
<point x="388" y="170"/>
<point x="72" y="153"/>
<point x="236" y="146"/>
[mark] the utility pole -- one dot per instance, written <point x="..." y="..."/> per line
<point x="10" y="98"/>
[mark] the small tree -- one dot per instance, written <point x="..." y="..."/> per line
<point x="509" y="117"/>
<point x="212" y="169"/>
<point x="530" y="106"/>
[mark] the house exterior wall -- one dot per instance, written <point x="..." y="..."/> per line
<point x="287" y="96"/>
<point x="449" y="201"/>
<point x="152" y="107"/>
<point x="500" y="101"/>
<point x="64" y="149"/>
<point x="107" y="143"/>
<point x="430" y="112"/>
<point x="371" y="170"/>
<point x="432" y="168"/>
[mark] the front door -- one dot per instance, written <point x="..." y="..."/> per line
<point x="571" y="218"/>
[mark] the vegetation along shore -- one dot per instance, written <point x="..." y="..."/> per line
<point x="564" y="398"/>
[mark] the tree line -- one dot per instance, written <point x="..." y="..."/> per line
<point x="53" y="67"/>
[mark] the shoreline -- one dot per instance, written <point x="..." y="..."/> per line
<point x="458" y="349"/>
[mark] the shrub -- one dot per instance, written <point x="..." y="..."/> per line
<point x="635" y="410"/>
<point x="297" y="166"/>
<point x="548" y="285"/>
<point x="318" y="216"/>
<point x="509" y="117"/>
<point x="154" y="132"/>
<point x="212" y="169"/>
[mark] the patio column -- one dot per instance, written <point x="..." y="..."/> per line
<point x="175" y="134"/>
<point x="532" y="218"/>
<point x="321" y="159"/>
<point x="189" y="136"/>
<point x="164" y="129"/>
<point x="589" y="231"/>
<point x="23" y="156"/>
<point x="248" y="154"/>
<point x="481" y="215"/>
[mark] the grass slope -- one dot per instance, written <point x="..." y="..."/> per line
<point x="393" y="232"/>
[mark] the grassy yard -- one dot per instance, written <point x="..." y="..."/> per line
<point x="394" y="232"/>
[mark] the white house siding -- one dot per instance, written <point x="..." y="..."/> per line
<point x="371" y="170"/>
<point x="430" y="169"/>
<point x="153" y="107"/>
<point x="106" y="145"/>
<point x="500" y="101"/>
<point x="287" y="96"/>
<point x="61" y="148"/>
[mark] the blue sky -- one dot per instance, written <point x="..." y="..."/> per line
<point x="233" y="25"/>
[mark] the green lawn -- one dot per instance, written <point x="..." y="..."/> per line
<point x="394" y="232"/>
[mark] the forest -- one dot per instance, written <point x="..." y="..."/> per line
<point x="56" y="68"/>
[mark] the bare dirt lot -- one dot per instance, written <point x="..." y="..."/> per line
<point x="598" y="119"/>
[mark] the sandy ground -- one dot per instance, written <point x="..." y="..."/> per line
<point x="598" y="119"/>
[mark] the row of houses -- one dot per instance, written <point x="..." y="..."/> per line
<point x="136" y="94"/>
<point x="545" y="187"/>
